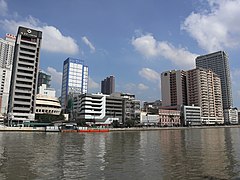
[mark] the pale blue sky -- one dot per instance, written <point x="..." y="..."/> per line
<point x="133" y="40"/>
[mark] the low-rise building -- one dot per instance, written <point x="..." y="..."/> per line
<point x="47" y="105"/>
<point x="98" y="109"/>
<point x="47" y="91"/>
<point x="102" y="109"/>
<point x="149" y="119"/>
<point x="46" y="102"/>
<point x="169" y="117"/>
<point x="131" y="107"/>
<point x="231" y="116"/>
<point x="152" y="107"/>
<point x="192" y="115"/>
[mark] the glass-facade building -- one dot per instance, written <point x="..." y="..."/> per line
<point x="74" y="80"/>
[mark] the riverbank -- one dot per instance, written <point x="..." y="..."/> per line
<point x="43" y="129"/>
<point x="25" y="129"/>
<point x="170" y="128"/>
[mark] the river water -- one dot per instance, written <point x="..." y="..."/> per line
<point x="163" y="154"/>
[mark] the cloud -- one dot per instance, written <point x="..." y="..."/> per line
<point x="142" y="87"/>
<point x="149" y="74"/>
<point x="92" y="84"/>
<point x="216" y="28"/>
<point x="149" y="47"/>
<point x="133" y="88"/>
<point x="55" y="75"/>
<point x="53" y="39"/>
<point x="3" y="8"/>
<point x="89" y="44"/>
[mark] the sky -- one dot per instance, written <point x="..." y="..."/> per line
<point x="133" y="40"/>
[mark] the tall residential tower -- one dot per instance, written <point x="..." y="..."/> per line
<point x="23" y="88"/>
<point x="218" y="63"/>
<point x="204" y="90"/>
<point x="6" y="59"/>
<point x="173" y="86"/>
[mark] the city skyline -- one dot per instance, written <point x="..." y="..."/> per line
<point x="135" y="46"/>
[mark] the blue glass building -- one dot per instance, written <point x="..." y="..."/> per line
<point x="74" y="79"/>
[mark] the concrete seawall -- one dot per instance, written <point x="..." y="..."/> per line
<point x="170" y="128"/>
<point x="42" y="129"/>
<point x="30" y="129"/>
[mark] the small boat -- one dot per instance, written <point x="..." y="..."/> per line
<point x="71" y="127"/>
<point x="93" y="130"/>
<point x="52" y="129"/>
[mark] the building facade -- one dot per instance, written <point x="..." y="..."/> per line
<point x="169" y="117"/>
<point x="152" y="107"/>
<point x="47" y="105"/>
<point x="218" y="63"/>
<point x="149" y="119"/>
<point x="6" y="59"/>
<point x="45" y="91"/>
<point x="74" y="80"/>
<point x="192" y="115"/>
<point x="23" y="88"/>
<point x="173" y="87"/>
<point x="97" y="109"/>
<point x="7" y="51"/>
<point x="204" y="90"/>
<point x="103" y="109"/>
<point x="130" y="105"/>
<point x="44" y="78"/>
<point x="231" y="116"/>
<point x="108" y="85"/>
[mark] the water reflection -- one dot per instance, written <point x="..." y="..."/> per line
<point x="165" y="154"/>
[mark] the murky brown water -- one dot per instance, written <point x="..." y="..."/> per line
<point x="163" y="154"/>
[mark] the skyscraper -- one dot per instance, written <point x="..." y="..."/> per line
<point x="43" y="78"/>
<point x="218" y="63"/>
<point x="204" y="90"/>
<point x="23" y="88"/>
<point x="173" y="87"/>
<point x="108" y="85"/>
<point x="6" y="51"/>
<point x="74" y="80"/>
<point x="6" y="59"/>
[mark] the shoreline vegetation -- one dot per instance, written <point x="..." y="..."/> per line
<point x="43" y="129"/>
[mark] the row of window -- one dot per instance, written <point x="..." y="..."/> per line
<point x="47" y="111"/>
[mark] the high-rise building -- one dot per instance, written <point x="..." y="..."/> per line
<point x="6" y="59"/>
<point x="23" y="88"/>
<point x="218" y="63"/>
<point x="44" y="78"/>
<point x="74" y="80"/>
<point x="6" y="51"/>
<point x="173" y="87"/>
<point x="204" y="90"/>
<point x="108" y="85"/>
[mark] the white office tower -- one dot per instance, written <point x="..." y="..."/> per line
<point x="23" y="89"/>
<point x="218" y="63"/>
<point x="74" y="80"/>
<point x="6" y="59"/>
<point x="6" y="51"/>
<point x="204" y="90"/>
